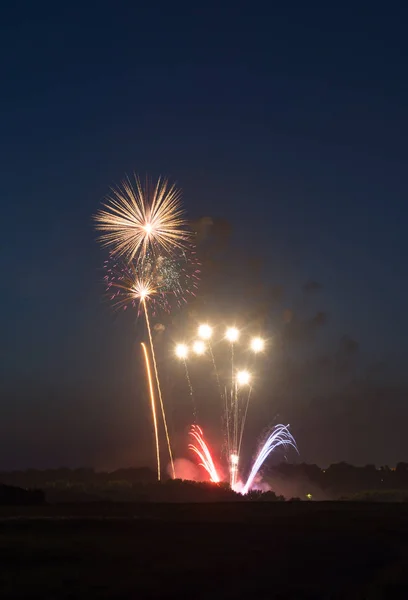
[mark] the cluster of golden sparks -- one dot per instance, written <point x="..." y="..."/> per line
<point x="138" y="219"/>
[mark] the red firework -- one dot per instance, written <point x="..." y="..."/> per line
<point x="203" y="452"/>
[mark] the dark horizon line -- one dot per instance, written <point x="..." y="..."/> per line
<point x="154" y="471"/>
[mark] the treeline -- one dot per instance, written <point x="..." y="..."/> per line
<point x="65" y="477"/>
<point x="169" y="491"/>
<point x="15" y="496"/>
<point x="123" y="485"/>
<point x="340" y="481"/>
<point x="288" y="481"/>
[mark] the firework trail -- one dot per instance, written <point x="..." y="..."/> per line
<point x="205" y="332"/>
<point x="257" y="346"/>
<point x="153" y="405"/>
<point x="158" y="384"/>
<point x="215" y="369"/>
<point x="152" y="279"/>
<point x="189" y="385"/>
<point x="203" y="452"/>
<point x="280" y="436"/>
<point x="139" y="288"/>
<point x="142" y="217"/>
<point x="241" y="378"/>
<point x="244" y="420"/>
<point x="232" y="335"/>
<point x="182" y="353"/>
<point x="227" y="424"/>
<point x="234" y="456"/>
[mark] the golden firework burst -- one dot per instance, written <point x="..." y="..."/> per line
<point x="139" y="217"/>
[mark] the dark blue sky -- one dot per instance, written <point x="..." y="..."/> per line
<point x="289" y="122"/>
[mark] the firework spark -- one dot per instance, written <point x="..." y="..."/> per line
<point x="243" y="378"/>
<point x="257" y="344"/>
<point x="138" y="217"/>
<point x="153" y="405"/>
<point x="234" y="461"/>
<point x="244" y="420"/>
<point x="235" y="422"/>
<point x="165" y="280"/>
<point x="204" y="331"/>
<point x="181" y="351"/>
<point x="203" y="452"/>
<point x="280" y="436"/>
<point x="232" y="334"/>
<point x="199" y="347"/>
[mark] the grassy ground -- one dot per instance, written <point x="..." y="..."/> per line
<point x="242" y="550"/>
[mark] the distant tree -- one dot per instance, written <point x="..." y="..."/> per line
<point x="253" y="495"/>
<point x="15" y="496"/>
<point x="270" y="496"/>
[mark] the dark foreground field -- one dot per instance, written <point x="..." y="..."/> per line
<point x="240" y="550"/>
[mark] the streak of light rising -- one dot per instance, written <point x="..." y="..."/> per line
<point x="182" y="351"/>
<point x="145" y="310"/>
<point x="280" y="436"/>
<point x="234" y="460"/>
<point x="204" y="453"/>
<point x="153" y="406"/>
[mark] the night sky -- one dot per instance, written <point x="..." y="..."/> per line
<point x="290" y="123"/>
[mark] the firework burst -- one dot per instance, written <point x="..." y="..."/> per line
<point x="203" y="452"/>
<point x="166" y="281"/>
<point x="152" y="263"/>
<point x="236" y="399"/>
<point x="280" y="436"/>
<point x="137" y="218"/>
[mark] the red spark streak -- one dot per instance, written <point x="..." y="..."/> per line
<point x="203" y="452"/>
